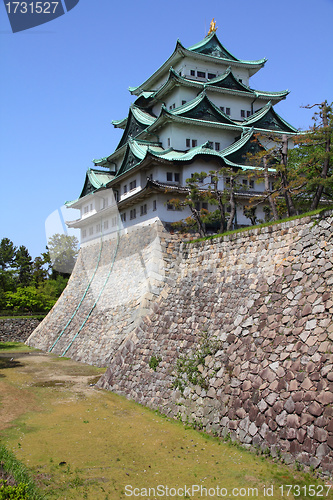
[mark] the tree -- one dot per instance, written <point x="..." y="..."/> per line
<point x="23" y="264"/>
<point x="203" y="187"/>
<point x="312" y="157"/>
<point x="272" y="163"/>
<point x="63" y="250"/>
<point x="7" y="253"/>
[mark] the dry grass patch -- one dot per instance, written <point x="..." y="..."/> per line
<point x="81" y="442"/>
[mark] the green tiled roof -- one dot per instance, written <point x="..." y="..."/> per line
<point x="267" y="118"/>
<point x="201" y="108"/>
<point x="95" y="179"/>
<point x="210" y="48"/>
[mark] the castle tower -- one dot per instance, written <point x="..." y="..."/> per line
<point x="196" y="113"/>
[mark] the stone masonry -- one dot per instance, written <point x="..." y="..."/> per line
<point x="264" y="299"/>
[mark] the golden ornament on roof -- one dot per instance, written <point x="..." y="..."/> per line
<point x="212" y="27"/>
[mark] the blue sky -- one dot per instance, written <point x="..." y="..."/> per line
<point x="63" y="82"/>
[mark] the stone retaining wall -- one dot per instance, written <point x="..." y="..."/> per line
<point x="263" y="298"/>
<point x="17" y="329"/>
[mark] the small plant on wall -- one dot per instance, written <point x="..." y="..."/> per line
<point x="190" y="369"/>
<point x="154" y="362"/>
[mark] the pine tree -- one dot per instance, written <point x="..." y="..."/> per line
<point x="312" y="157"/>
<point x="23" y="264"/>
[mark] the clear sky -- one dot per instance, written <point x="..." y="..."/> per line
<point x="63" y="82"/>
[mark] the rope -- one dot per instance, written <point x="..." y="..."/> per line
<point x="99" y="295"/>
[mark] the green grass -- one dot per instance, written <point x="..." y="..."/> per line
<point x="15" y="468"/>
<point x="15" y="347"/>
<point x="320" y="211"/>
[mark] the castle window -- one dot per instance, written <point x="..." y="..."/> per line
<point x="227" y="111"/>
<point x="248" y="113"/>
<point x="194" y="143"/>
<point x="211" y="75"/>
<point x="123" y="217"/>
<point x="210" y="144"/>
<point x="125" y="189"/>
<point x="217" y="146"/>
<point x="183" y="102"/>
<point x="168" y="141"/>
<point x="201" y="74"/>
<point x="154" y="205"/>
<point x="86" y="209"/>
<point x="243" y="113"/>
<point x="133" y="213"/>
<point x="192" y="72"/>
<point x="114" y="221"/>
<point x="245" y="182"/>
<point x="143" y="209"/>
<point x="98" y="228"/>
<point x="132" y="185"/>
<point x="169" y="176"/>
<point x="91" y="231"/>
<point x="251" y="184"/>
<point x="106" y="224"/>
<point x="205" y="205"/>
<point x="188" y="143"/>
<point x="177" y="177"/>
<point x="84" y="233"/>
<point x="241" y="80"/>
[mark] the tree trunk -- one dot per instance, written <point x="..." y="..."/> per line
<point x="267" y="189"/>
<point x="201" y="227"/>
<point x="284" y="178"/>
<point x="232" y="203"/>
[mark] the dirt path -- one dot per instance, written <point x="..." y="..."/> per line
<point x="81" y="442"/>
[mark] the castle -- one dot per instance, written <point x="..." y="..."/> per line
<point x="196" y="113"/>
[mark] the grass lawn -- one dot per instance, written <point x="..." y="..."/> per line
<point x="79" y="442"/>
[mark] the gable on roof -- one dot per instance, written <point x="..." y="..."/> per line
<point x="238" y="151"/>
<point x="211" y="46"/>
<point x="129" y="161"/>
<point x="133" y="128"/>
<point x="95" y="179"/>
<point x="200" y="108"/>
<point x="267" y="118"/>
<point x="228" y="81"/>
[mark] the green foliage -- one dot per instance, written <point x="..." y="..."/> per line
<point x="7" y="253"/>
<point x="25" y="488"/>
<point x="34" y="299"/>
<point x="154" y="362"/>
<point x="312" y="159"/>
<point x="28" y="299"/>
<point x="28" y="286"/>
<point x="18" y="492"/>
<point x="23" y="264"/>
<point x="190" y="369"/>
